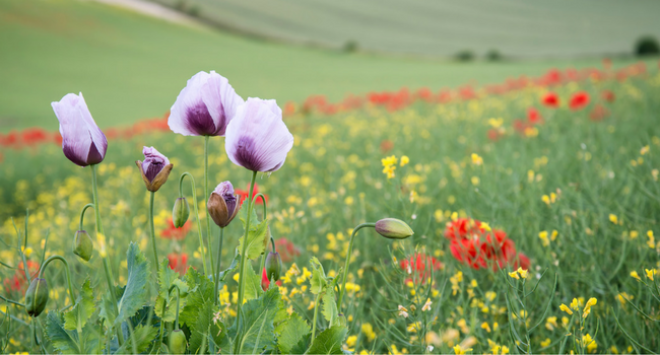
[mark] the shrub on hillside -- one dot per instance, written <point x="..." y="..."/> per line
<point x="464" y="56"/>
<point x="647" y="45"/>
<point x="493" y="55"/>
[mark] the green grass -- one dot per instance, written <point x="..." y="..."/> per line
<point x="332" y="181"/>
<point x="517" y="28"/>
<point x="130" y="66"/>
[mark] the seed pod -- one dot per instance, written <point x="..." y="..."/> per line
<point x="177" y="342"/>
<point x="273" y="266"/>
<point x="180" y="212"/>
<point x="82" y="245"/>
<point x="36" y="297"/>
<point x="393" y="228"/>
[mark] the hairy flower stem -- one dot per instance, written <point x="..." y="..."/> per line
<point x="153" y="231"/>
<point x="316" y="313"/>
<point x="348" y="258"/>
<point x="262" y="263"/>
<point x="199" y="223"/>
<point x="71" y="295"/>
<point x="108" y="271"/>
<point x="241" y="278"/>
<point x="216" y="277"/>
<point x="206" y="196"/>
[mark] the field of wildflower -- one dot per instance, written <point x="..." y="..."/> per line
<point x="511" y="218"/>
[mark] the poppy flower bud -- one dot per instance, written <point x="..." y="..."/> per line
<point x="393" y="228"/>
<point x="155" y="168"/>
<point x="36" y="297"/>
<point x="180" y="212"/>
<point x="82" y="245"/>
<point x="273" y="266"/>
<point x="223" y="204"/>
<point x="265" y="281"/>
<point x="177" y="342"/>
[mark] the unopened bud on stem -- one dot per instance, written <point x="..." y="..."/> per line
<point x="36" y="297"/>
<point x="180" y="212"/>
<point x="393" y="228"/>
<point x="82" y="245"/>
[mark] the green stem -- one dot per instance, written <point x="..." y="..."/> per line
<point x="11" y="301"/>
<point x="241" y="278"/>
<point x="199" y="224"/>
<point x="216" y="277"/>
<point x="71" y="295"/>
<point x="82" y="214"/>
<point x="108" y="272"/>
<point x="316" y="313"/>
<point x="206" y="196"/>
<point x="178" y="299"/>
<point x="153" y="230"/>
<point x="348" y="258"/>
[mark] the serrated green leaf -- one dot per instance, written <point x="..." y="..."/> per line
<point x="60" y="338"/>
<point x="144" y="335"/>
<point x="252" y="283"/>
<point x="231" y="268"/>
<point x="242" y="215"/>
<point x="135" y="294"/>
<point x="330" y="312"/>
<point x="82" y="310"/>
<point x="256" y="324"/>
<point x="256" y="237"/>
<point x="205" y="327"/>
<point x="290" y="333"/>
<point x="165" y="306"/>
<point x="318" y="282"/>
<point x="329" y="341"/>
<point x="302" y="346"/>
<point x="200" y="291"/>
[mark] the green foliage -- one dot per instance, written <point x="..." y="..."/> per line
<point x="144" y="336"/>
<point x="201" y="292"/>
<point x="166" y="279"/>
<point x="257" y="235"/>
<point x="206" y="332"/>
<point x="329" y="341"/>
<point x="290" y="333"/>
<point x="82" y="310"/>
<point x="647" y="46"/>
<point x="252" y="283"/>
<point x="256" y="324"/>
<point x="60" y="338"/>
<point x="135" y="293"/>
<point x="330" y="311"/>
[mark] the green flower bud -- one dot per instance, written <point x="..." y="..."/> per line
<point x="393" y="228"/>
<point x="82" y="245"/>
<point x="177" y="342"/>
<point x="36" y="297"/>
<point x="273" y="266"/>
<point x="180" y="212"/>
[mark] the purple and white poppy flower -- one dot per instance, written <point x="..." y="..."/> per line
<point x="223" y="204"/>
<point x="257" y="138"/>
<point x="205" y="106"/>
<point x="82" y="140"/>
<point x="155" y="168"/>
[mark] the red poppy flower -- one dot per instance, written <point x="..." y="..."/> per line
<point x="608" y="96"/>
<point x="533" y="116"/>
<point x="462" y="228"/>
<point x="598" y="113"/>
<point x="579" y="100"/>
<point x="172" y="232"/>
<point x="419" y="267"/>
<point x="178" y="262"/>
<point x="551" y="100"/>
<point x="244" y="194"/>
<point x="286" y="249"/>
<point x="18" y="282"/>
<point x="386" y="145"/>
<point x="265" y="282"/>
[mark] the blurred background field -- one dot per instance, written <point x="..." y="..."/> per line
<point x="131" y="66"/>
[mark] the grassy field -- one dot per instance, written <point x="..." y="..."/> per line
<point x="576" y="191"/>
<point x="516" y="28"/>
<point x="130" y="66"/>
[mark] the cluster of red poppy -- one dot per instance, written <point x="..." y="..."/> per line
<point x="178" y="262"/>
<point x="479" y="247"/>
<point x="172" y="232"/>
<point x="286" y="249"/>
<point x="420" y="266"/>
<point x="395" y="100"/>
<point x="18" y="282"/>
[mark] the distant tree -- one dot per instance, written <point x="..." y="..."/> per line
<point x="464" y="56"/>
<point x="350" y="46"/>
<point x="646" y="46"/>
<point x="493" y="55"/>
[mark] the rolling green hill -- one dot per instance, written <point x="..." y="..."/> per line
<point x="518" y="28"/>
<point x="130" y="66"/>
